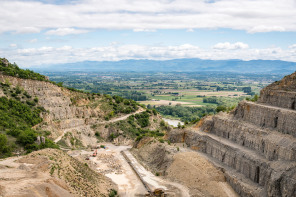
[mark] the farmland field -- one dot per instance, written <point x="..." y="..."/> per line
<point x="172" y="93"/>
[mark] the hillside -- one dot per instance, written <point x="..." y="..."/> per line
<point x="176" y="65"/>
<point x="33" y="106"/>
<point x="53" y="173"/>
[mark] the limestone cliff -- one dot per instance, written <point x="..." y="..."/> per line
<point x="281" y="93"/>
<point x="255" y="144"/>
<point x="63" y="114"/>
<point x="73" y="118"/>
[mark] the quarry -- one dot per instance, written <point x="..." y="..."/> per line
<point x="249" y="151"/>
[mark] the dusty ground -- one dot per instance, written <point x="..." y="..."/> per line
<point x="184" y="166"/>
<point x="199" y="175"/>
<point x="50" y="173"/>
<point x="112" y="164"/>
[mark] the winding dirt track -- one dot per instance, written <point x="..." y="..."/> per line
<point x="103" y="122"/>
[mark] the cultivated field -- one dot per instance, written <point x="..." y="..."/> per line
<point x="167" y="102"/>
<point x="190" y="98"/>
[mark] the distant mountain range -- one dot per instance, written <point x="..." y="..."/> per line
<point x="176" y="65"/>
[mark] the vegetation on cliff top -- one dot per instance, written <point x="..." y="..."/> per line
<point x="13" y="70"/>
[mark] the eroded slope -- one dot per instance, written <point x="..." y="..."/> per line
<point x="50" y="172"/>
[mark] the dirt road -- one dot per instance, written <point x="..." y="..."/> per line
<point x="112" y="164"/>
<point x="155" y="182"/>
<point x="103" y="122"/>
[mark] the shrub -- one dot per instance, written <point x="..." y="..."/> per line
<point x="143" y="119"/>
<point x="154" y="111"/>
<point x="139" y="138"/>
<point x="26" y="137"/>
<point x="5" y="150"/>
<point x="112" y="193"/>
<point x="31" y="103"/>
<point x="221" y="108"/>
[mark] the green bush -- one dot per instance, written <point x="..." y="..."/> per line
<point x="221" y="108"/>
<point x="112" y="193"/>
<point x="27" y="137"/>
<point x="5" y="149"/>
<point x="253" y="99"/>
<point x="143" y="119"/>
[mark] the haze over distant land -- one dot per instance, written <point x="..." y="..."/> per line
<point x="46" y="32"/>
<point x="176" y="65"/>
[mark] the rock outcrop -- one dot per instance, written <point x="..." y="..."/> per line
<point x="63" y="114"/>
<point x="255" y="144"/>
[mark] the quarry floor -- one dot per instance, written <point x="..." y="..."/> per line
<point x="112" y="164"/>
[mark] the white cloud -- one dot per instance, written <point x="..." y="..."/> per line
<point x="144" y="30"/>
<point x="66" y="54"/>
<point x="33" y="40"/>
<point x="13" y="45"/>
<point x="252" y="16"/>
<point x="190" y="30"/>
<point x="229" y="46"/>
<point x="65" y="31"/>
<point x="26" y="30"/>
<point x="293" y="46"/>
<point x="263" y="28"/>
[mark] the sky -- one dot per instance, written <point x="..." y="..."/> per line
<point x="43" y="32"/>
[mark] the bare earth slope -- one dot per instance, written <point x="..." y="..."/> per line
<point x="183" y="166"/>
<point x="50" y="172"/>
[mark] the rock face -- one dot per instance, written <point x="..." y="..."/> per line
<point x="255" y="144"/>
<point x="63" y="114"/>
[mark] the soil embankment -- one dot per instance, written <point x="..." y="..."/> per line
<point x="185" y="167"/>
<point x="50" y="172"/>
